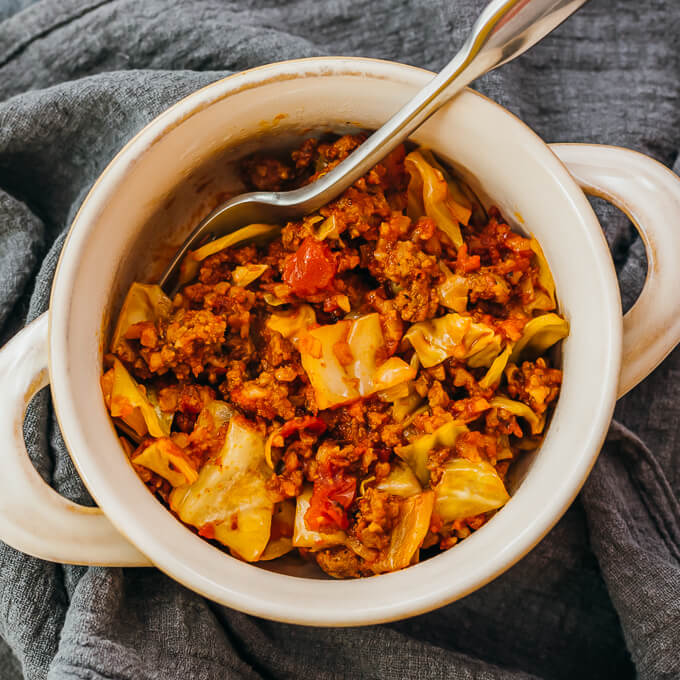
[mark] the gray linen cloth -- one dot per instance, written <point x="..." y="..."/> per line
<point x="598" y="598"/>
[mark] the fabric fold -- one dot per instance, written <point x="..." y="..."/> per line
<point x="634" y="522"/>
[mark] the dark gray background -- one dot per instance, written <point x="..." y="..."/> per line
<point x="598" y="598"/>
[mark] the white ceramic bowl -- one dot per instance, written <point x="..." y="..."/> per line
<point x="166" y="178"/>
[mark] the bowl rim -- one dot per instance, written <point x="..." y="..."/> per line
<point x="253" y="603"/>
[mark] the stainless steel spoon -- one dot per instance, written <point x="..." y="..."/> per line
<point x="503" y="31"/>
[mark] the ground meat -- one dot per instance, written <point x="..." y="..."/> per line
<point x="408" y="269"/>
<point x="266" y="174"/>
<point x="303" y="156"/>
<point x="390" y="319"/>
<point x="356" y="213"/>
<point x="339" y="562"/>
<point x="278" y="351"/>
<point x="437" y="396"/>
<point x="536" y="384"/>
<point x="186" y="401"/>
<point x="266" y="397"/>
<point x="487" y="285"/>
<point x="378" y="512"/>
<point x="188" y="342"/>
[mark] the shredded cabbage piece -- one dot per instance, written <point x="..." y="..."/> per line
<point x="327" y="229"/>
<point x="454" y="335"/>
<point x="394" y="394"/>
<point x="408" y="533"/>
<point x="416" y="454"/>
<point x="365" y="340"/>
<point x="461" y="193"/>
<point x="405" y="406"/>
<point x="539" y="334"/>
<point x="274" y="301"/>
<point x="230" y="495"/>
<point x="393" y="374"/>
<point x="134" y="406"/>
<point x="191" y="263"/>
<point x="405" y="398"/>
<point x="306" y="538"/>
<point x="468" y="488"/>
<point x="143" y="302"/>
<point x="216" y="413"/>
<point x="545" y="278"/>
<point x="251" y="231"/>
<point x="429" y="186"/>
<point x="453" y="291"/>
<point x="517" y="408"/>
<point x="495" y="372"/>
<point x="340" y="361"/>
<point x="332" y="381"/>
<point x="364" y="482"/>
<point x="268" y="448"/>
<point x="247" y="273"/>
<point x="282" y="527"/>
<point x="400" y="482"/>
<point x="169" y="461"/>
<point x="293" y="325"/>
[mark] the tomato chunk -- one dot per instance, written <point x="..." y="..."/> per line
<point x="311" y="268"/>
<point x="333" y="494"/>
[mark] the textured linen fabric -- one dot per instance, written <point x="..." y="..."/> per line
<point x="598" y="598"/>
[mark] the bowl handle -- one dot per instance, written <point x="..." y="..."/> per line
<point x="34" y="518"/>
<point x="649" y="194"/>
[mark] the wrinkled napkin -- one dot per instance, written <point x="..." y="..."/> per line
<point x="598" y="598"/>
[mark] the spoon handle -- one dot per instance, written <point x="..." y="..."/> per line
<point x="504" y="30"/>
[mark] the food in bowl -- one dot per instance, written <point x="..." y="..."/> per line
<point x="353" y="386"/>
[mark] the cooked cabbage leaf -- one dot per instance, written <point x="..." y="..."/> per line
<point x="252" y="231"/>
<point x="405" y="406"/>
<point x="495" y="372"/>
<point x="539" y="334"/>
<point x="454" y="335"/>
<point x="327" y="229"/>
<point x="283" y="522"/>
<point x="215" y="413"/>
<point x="468" y="488"/>
<point x="408" y="533"/>
<point x="394" y="394"/>
<point x="230" y="495"/>
<point x="245" y="274"/>
<point x="340" y="361"/>
<point x="400" y="482"/>
<point x="136" y="408"/>
<point x="521" y="410"/>
<point x="293" y="325"/>
<point x="416" y="454"/>
<point x="169" y="461"/>
<point x="429" y="186"/>
<point x="460" y="191"/>
<point x="545" y="278"/>
<point x="274" y="301"/>
<point x="143" y="302"/>
<point x="393" y="374"/>
<point x="404" y="397"/>
<point x="453" y="291"/>
<point x="306" y="538"/>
